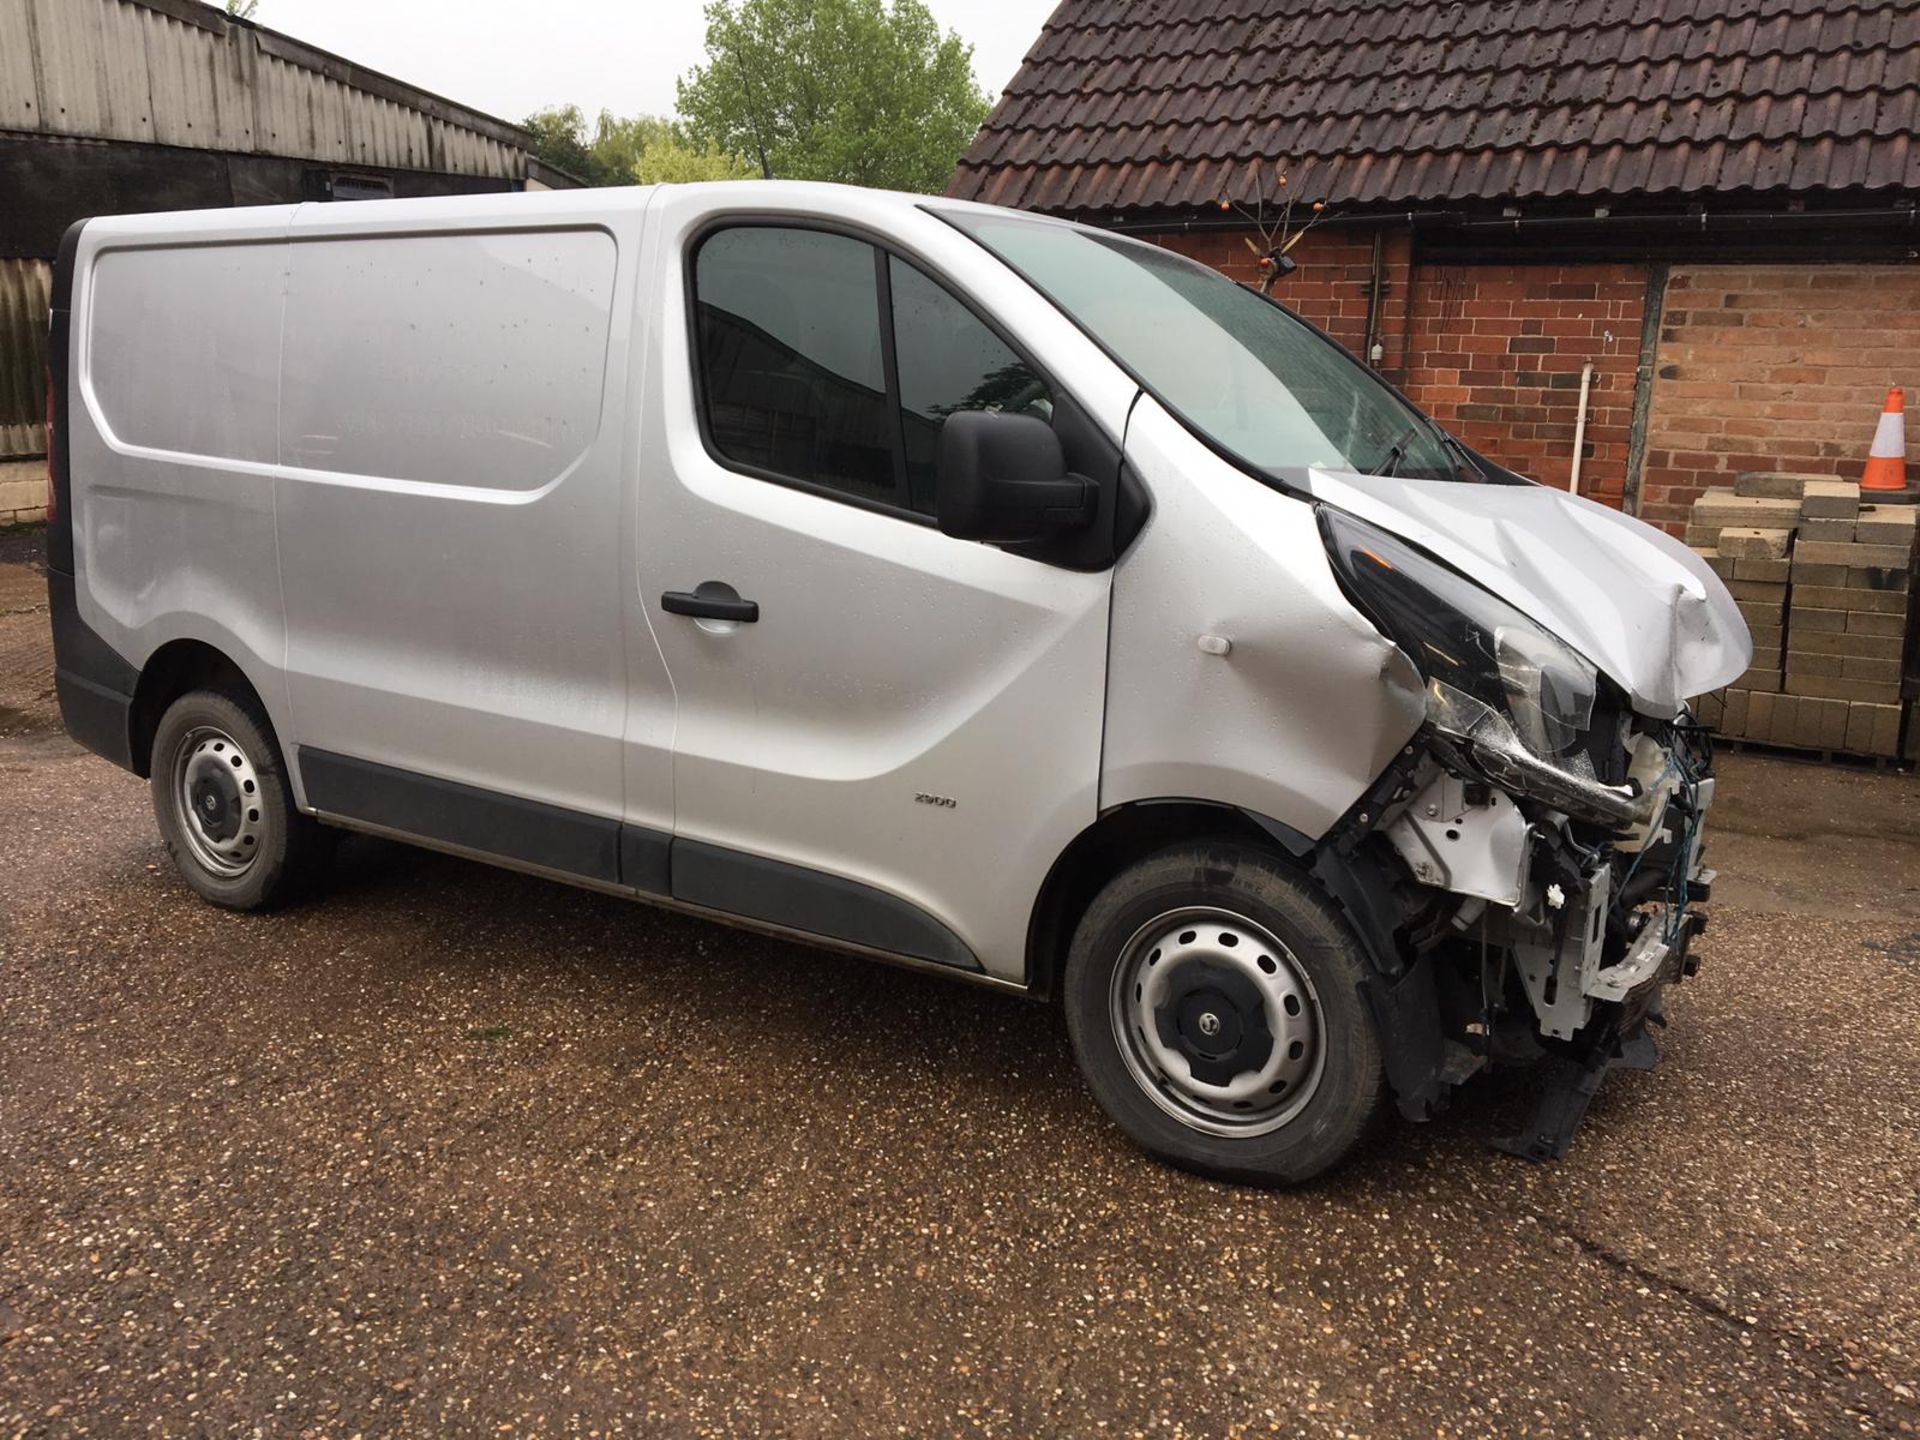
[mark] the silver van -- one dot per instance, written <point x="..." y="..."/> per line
<point x="975" y="591"/>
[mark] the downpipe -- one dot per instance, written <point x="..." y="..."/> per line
<point x="1580" y="429"/>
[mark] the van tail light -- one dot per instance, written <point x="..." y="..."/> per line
<point x="53" y="499"/>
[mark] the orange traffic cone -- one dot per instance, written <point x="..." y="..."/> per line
<point x="1887" y="460"/>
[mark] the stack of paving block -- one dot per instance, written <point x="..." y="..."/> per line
<point x="1847" y="623"/>
<point x="1745" y="536"/>
<point x="1825" y="588"/>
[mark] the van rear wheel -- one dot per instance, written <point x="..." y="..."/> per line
<point x="1213" y="999"/>
<point x="224" y="805"/>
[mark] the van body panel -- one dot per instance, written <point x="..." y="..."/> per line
<point x="1309" y="703"/>
<point x="171" y="502"/>
<point x="204" y="314"/>
<point x="652" y="719"/>
<point x="449" y="500"/>
<point x="920" y="712"/>
<point x="1630" y="597"/>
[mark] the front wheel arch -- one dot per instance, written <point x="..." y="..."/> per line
<point x="1120" y="838"/>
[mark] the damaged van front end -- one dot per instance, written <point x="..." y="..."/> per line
<point x="1454" y="698"/>
<point x="1539" y="847"/>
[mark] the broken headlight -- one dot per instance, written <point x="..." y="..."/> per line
<point x="1464" y="639"/>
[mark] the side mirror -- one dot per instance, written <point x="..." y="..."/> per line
<point x="1004" y="478"/>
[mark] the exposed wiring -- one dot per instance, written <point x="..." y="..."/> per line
<point x="1682" y="764"/>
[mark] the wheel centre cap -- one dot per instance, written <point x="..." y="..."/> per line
<point x="216" y="805"/>
<point x="1211" y="1023"/>
<point x="1213" y="1017"/>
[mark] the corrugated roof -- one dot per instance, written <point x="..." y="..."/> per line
<point x="1162" y="104"/>
<point x="176" y="72"/>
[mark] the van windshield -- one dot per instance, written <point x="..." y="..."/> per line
<point x="1244" y="373"/>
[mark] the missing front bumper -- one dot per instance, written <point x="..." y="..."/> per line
<point x="1568" y="1086"/>
<point x="1552" y="942"/>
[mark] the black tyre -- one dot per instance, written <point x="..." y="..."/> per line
<point x="225" y="809"/>
<point x="1213" y="998"/>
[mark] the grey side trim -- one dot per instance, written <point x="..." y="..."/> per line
<point x="491" y="858"/>
<point x="604" y="853"/>
<point x="96" y="716"/>
<point x="465" y="815"/>
<point x="646" y="860"/>
<point x="817" y="904"/>
<point x="93" y="681"/>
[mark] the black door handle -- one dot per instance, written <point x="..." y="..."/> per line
<point x="712" y="601"/>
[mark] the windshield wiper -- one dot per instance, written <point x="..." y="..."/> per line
<point x="1396" y="452"/>
<point x="1464" y="464"/>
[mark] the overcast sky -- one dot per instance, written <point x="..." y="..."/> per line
<point x="510" y="58"/>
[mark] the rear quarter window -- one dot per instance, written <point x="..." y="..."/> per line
<point x="474" y="360"/>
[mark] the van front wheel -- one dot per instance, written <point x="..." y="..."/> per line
<point x="1213" y="999"/>
<point x="224" y="806"/>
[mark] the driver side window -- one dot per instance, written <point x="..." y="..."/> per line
<point x="798" y="384"/>
<point x="949" y="362"/>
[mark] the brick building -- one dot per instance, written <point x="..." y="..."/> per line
<point x="1710" y="205"/>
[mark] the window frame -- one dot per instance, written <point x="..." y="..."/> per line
<point x="884" y="248"/>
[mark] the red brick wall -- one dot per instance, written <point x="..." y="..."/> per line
<point x="1496" y="356"/>
<point x="1493" y="352"/>
<point x="1329" y="287"/>
<point x="1773" y="368"/>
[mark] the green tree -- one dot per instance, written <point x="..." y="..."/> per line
<point x="618" y="144"/>
<point x="668" y="159"/>
<point x="560" y="138"/>
<point x="242" y="9"/>
<point x="640" y="149"/>
<point x="853" y="90"/>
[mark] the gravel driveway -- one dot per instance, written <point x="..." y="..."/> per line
<point x="453" y="1151"/>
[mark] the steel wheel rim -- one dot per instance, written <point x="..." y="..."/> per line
<point x="1179" y="973"/>
<point x="217" y="793"/>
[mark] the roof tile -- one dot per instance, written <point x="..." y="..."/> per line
<point x="1145" y="104"/>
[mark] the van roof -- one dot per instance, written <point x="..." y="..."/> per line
<point x="244" y="222"/>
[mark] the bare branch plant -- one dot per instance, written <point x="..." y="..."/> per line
<point x="1277" y="237"/>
